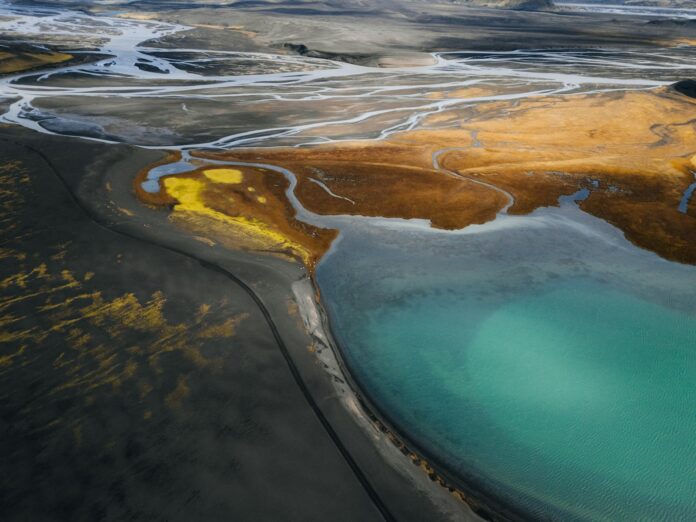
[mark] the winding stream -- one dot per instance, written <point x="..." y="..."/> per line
<point x="686" y="198"/>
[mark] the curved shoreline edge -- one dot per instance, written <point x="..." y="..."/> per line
<point x="357" y="401"/>
<point x="396" y="449"/>
<point x="399" y="452"/>
<point x="105" y="191"/>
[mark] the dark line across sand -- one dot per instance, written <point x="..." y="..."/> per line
<point x="374" y="496"/>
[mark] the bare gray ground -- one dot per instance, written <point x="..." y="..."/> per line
<point x="367" y="35"/>
<point x="240" y="444"/>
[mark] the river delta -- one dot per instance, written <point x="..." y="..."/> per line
<point x="450" y="281"/>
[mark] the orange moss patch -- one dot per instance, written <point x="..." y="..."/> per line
<point x="637" y="146"/>
<point x="380" y="189"/>
<point x="634" y="150"/>
<point x="380" y="180"/>
<point x="244" y="208"/>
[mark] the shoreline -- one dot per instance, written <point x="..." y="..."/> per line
<point x="106" y="190"/>
<point x="391" y="436"/>
<point x="399" y="452"/>
<point x="403" y="456"/>
<point x="356" y="399"/>
<point x="279" y="276"/>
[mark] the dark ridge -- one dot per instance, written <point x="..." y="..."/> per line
<point x="148" y="67"/>
<point x="673" y="22"/>
<point x="303" y="50"/>
<point x="685" y="87"/>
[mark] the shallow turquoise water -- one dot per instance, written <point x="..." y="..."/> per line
<point x="570" y="397"/>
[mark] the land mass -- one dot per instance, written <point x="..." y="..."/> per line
<point x="633" y="151"/>
<point x="171" y="359"/>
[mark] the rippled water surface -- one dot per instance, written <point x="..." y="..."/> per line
<point x="562" y="379"/>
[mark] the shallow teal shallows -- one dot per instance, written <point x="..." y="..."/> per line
<point x="572" y="399"/>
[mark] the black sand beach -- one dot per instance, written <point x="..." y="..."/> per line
<point x="208" y="421"/>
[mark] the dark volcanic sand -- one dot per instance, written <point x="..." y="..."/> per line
<point x="126" y="411"/>
<point x="686" y="87"/>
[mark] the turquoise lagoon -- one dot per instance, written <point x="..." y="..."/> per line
<point x="542" y="358"/>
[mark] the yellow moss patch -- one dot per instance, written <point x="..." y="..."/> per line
<point x="244" y="208"/>
<point x="189" y="193"/>
<point x="175" y="398"/>
<point x="224" y="175"/>
<point x="67" y="311"/>
<point x="226" y="329"/>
